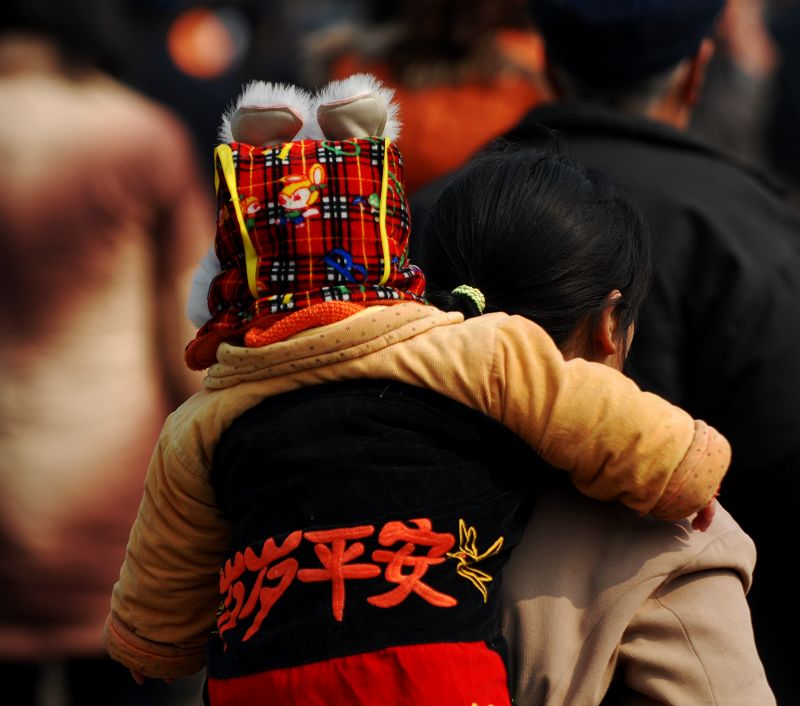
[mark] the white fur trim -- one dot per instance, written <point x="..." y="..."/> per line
<point x="261" y="94"/>
<point x="197" y="308"/>
<point x="358" y="85"/>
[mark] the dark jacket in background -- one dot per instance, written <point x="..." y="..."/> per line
<point x="720" y="331"/>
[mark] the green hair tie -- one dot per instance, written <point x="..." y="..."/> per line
<point x="474" y="294"/>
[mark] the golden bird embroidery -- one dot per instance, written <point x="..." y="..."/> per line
<point x="468" y="555"/>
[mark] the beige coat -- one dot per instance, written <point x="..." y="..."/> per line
<point x="593" y="588"/>
<point x="615" y="442"/>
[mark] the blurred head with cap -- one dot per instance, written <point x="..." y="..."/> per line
<point x="646" y="56"/>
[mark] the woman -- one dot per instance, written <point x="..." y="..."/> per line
<point x="322" y="515"/>
<point x="596" y="597"/>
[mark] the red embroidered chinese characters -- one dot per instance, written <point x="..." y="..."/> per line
<point x="235" y="604"/>
<point x="422" y="535"/>
<point x="251" y="582"/>
<point x="335" y="560"/>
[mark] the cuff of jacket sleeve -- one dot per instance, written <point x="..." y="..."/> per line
<point x="698" y="476"/>
<point x="152" y="659"/>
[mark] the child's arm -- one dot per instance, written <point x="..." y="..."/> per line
<point x="616" y="441"/>
<point x="164" y="604"/>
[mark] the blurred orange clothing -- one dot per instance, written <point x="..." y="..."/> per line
<point x="444" y="124"/>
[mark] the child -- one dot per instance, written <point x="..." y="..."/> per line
<point x="325" y="432"/>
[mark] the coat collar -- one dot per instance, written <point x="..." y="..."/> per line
<point x="588" y="120"/>
<point x="371" y="330"/>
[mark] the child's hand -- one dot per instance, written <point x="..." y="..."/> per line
<point x="702" y="520"/>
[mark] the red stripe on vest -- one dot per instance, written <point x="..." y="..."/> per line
<point x="439" y="674"/>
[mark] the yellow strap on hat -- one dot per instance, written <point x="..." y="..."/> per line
<point x="224" y="155"/>
<point x="387" y="255"/>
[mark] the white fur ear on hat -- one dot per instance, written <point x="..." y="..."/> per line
<point x="197" y="308"/>
<point x="269" y="114"/>
<point x="358" y="106"/>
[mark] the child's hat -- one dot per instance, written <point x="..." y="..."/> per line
<point x="318" y="218"/>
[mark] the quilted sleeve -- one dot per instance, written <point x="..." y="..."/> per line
<point x="165" y="601"/>
<point x="616" y="441"/>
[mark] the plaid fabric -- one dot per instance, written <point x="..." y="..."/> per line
<point x="311" y="212"/>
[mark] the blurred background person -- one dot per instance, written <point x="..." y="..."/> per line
<point x="739" y="89"/>
<point x="464" y="71"/>
<point x="103" y="219"/>
<point x="750" y="102"/>
<point x="783" y="148"/>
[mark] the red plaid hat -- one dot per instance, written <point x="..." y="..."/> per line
<point x="301" y="224"/>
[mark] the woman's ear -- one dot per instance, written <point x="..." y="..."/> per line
<point x="697" y="72"/>
<point x="604" y="339"/>
<point x="597" y="339"/>
<point x="604" y="334"/>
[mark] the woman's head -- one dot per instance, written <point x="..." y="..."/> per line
<point x="541" y="237"/>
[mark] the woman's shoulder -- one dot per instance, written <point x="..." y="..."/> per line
<point x="618" y="550"/>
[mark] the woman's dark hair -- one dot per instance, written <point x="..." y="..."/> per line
<point x="540" y="236"/>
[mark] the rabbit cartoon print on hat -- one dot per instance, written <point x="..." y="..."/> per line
<point x="319" y="217"/>
<point x="300" y="193"/>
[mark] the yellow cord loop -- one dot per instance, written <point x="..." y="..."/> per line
<point x="387" y="264"/>
<point x="224" y="155"/>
